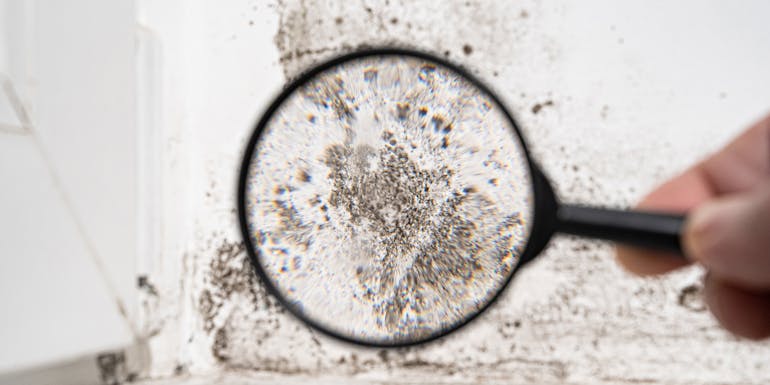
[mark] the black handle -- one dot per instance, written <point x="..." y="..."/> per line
<point x="636" y="228"/>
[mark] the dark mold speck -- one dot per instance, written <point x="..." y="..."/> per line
<point x="402" y="109"/>
<point x="304" y="176"/>
<point x="437" y="121"/>
<point x="142" y="282"/>
<point x="112" y="367"/>
<point x="370" y="74"/>
<point x="539" y="106"/>
<point x="219" y="347"/>
<point x="691" y="297"/>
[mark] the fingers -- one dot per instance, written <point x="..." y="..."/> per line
<point x="678" y="195"/>
<point x="644" y="262"/>
<point x="742" y="312"/>
<point x="727" y="198"/>
<point x="739" y="167"/>
<point x="730" y="236"/>
<point x="743" y="164"/>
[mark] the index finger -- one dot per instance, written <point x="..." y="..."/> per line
<point x="678" y="195"/>
<point x="739" y="166"/>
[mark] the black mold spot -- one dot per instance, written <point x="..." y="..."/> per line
<point x="691" y="297"/>
<point x="539" y="106"/>
<point x="338" y="20"/>
<point x="304" y="176"/>
<point x="417" y="362"/>
<point x="426" y="72"/>
<point x="112" y="367"/>
<point x="370" y="74"/>
<point x="467" y="49"/>
<point x="437" y="121"/>
<point x="401" y="110"/>
<point x="142" y="282"/>
<point x="219" y="347"/>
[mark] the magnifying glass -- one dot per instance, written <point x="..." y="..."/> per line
<point x="387" y="197"/>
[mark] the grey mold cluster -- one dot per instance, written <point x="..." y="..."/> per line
<point x="389" y="199"/>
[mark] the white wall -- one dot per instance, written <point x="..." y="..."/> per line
<point x="72" y="65"/>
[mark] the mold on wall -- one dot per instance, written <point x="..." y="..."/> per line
<point x="572" y="317"/>
<point x="458" y="30"/>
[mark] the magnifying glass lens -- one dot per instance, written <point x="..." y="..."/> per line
<point x="388" y="199"/>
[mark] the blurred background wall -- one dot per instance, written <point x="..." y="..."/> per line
<point x="68" y="166"/>
<point x="121" y="129"/>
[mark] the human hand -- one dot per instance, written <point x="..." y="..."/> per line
<point x="727" y="198"/>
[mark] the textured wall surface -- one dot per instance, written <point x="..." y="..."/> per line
<point x="612" y="98"/>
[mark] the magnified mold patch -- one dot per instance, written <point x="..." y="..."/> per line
<point x="391" y="193"/>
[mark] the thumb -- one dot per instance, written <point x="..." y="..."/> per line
<point x="731" y="237"/>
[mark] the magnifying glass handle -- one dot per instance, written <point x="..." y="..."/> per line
<point x="661" y="231"/>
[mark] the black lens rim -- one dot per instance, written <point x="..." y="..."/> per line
<point x="528" y="254"/>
